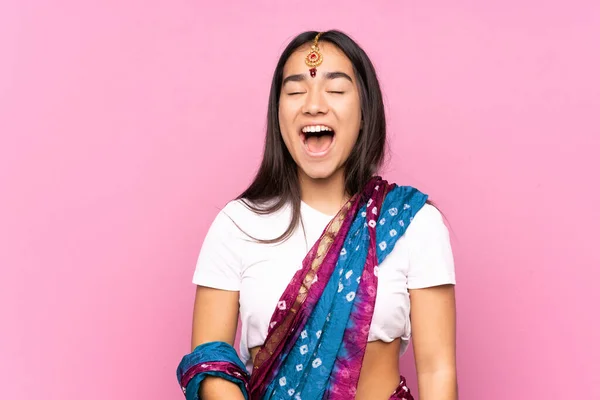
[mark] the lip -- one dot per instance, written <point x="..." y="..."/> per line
<point x="320" y="154"/>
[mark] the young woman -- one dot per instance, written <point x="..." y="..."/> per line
<point x="330" y="268"/>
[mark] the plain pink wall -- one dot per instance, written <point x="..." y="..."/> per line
<point x="126" y="124"/>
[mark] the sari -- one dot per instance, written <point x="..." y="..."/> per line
<point x="319" y="330"/>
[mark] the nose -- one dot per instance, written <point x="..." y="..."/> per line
<point x="315" y="103"/>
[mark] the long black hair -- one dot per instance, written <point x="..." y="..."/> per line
<point x="276" y="182"/>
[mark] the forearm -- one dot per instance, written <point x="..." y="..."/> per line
<point x="214" y="388"/>
<point x="439" y="385"/>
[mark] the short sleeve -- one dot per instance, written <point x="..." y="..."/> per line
<point x="431" y="262"/>
<point x="219" y="265"/>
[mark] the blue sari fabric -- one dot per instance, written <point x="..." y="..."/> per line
<point x="318" y="352"/>
<point x="211" y="359"/>
<point x="322" y="355"/>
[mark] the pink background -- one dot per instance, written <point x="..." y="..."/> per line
<point x="126" y="124"/>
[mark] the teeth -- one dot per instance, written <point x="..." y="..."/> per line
<point x="316" y="128"/>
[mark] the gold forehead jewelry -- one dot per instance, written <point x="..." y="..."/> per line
<point x="314" y="57"/>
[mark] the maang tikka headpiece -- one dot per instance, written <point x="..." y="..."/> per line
<point x="314" y="58"/>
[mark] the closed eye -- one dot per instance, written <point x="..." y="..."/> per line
<point x="335" y="92"/>
<point x="294" y="93"/>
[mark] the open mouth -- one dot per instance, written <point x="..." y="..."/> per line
<point x="317" y="139"/>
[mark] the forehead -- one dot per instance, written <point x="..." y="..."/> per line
<point x="334" y="60"/>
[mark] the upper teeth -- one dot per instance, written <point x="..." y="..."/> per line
<point x="316" y="128"/>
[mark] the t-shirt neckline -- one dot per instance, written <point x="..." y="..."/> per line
<point x="315" y="211"/>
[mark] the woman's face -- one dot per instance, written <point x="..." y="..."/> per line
<point x="319" y="117"/>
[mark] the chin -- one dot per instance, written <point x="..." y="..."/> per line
<point x="318" y="172"/>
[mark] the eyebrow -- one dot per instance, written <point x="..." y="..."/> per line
<point x="328" y="76"/>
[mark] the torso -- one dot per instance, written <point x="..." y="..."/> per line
<point x="260" y="272"/>
<point x="272" y="267"/>
<point x="380" y="373"/>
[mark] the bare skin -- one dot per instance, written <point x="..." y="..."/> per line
<point x="380" y="374"/>
<point x="332" y="99"/>
<point x="432" y="316"/>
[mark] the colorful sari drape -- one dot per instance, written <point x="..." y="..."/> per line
<point x="318" y="333"/>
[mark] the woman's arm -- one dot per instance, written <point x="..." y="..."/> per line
<point x="215" y="319"/>
<point x="433" y="320"/>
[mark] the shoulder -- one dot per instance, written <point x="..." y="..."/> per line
<point x="243" y="209"/>
<point x="237" y="209"/>
<point x="431" y="262"/>
<point x="428" y="218"/>
<point x="240" y="218"/>
<point x="427" y="228"/>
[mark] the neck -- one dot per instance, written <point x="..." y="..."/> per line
<point x="326" y="195"/>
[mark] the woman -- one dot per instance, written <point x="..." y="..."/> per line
<point x="329" y="267"/>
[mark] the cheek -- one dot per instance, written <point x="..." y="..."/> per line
<point x="352" y="125"/>
<point x="352" y="139"/>
<point x="285" y="114"/>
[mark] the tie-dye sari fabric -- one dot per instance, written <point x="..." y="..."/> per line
<point x="318" y="332"/>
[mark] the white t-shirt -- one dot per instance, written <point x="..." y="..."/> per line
<point x="230" y="260"/>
